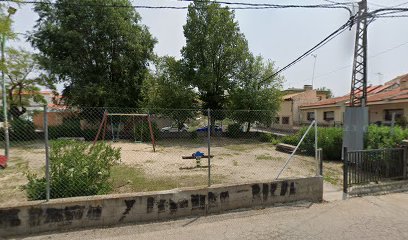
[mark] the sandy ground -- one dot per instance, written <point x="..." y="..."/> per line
<point x="235" y="161"/>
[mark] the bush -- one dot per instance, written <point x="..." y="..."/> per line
<point x="76" y="169"/>
<point x="22" y="130"/>
<point x="329" y="139"/>
<point x="382" y="137"/>
<point x="234" y="130"/>
<point x="71" y="127"/>
<point x="266" y="137"/>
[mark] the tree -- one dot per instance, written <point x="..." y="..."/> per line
<point x="101" y="54"/>
<point x="214" y="50"/>
<point x="255" y="91"/>
<point x="167" y="93"/>
<point x="329" y="93"/>
<point x="23" y="86"/>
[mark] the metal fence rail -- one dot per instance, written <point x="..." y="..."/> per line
<point x="376" y="165"/>
<point x="60" y="152"/>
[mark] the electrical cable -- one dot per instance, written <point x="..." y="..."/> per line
<point x="247" y="6"/>
<point x="350" y="65"/>
<point x="327" y="39"/>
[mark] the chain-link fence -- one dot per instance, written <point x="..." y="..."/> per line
<point x="100" y="151"/>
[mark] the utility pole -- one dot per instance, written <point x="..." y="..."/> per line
<point x="358" y="94"/>
<point x="356" y="117"/>
<point x="314" y="67"/>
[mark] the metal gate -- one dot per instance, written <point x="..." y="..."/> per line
<point x="368" y="166"/>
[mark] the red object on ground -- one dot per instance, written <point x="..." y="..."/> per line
<point x="3" y="161"/>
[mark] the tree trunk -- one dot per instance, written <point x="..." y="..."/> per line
<point x="249" y="126"/>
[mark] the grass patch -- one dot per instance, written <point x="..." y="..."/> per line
<point x="331" y="178"/>
<point x="235" y="163"/>
<point x="133" y="179"/>
<point x="268" y="157"/>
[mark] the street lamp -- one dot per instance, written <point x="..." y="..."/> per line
<point x="10" y="11"/>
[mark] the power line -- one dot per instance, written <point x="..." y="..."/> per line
<point x="246" y="6"/>
<point x="350" y="65"/>
<point x="327" y="39"/>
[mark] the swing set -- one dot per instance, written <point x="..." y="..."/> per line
<point x="120" y="126"/>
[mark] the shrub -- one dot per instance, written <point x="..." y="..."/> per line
<point x="234" y="130"/>
<point x="266" y="137"/>
<point x="329" y="139"/>
<point x="382" y="137"/>
<point x="71" y="127"/>
<point x="291" y="139"/>
<point x="76" y="169"/>
<point x="22" y="130"/>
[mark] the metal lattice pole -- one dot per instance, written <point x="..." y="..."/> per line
<point x="358" y="94"/>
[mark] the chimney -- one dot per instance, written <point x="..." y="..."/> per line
<point x="404" y="84"/>
<point x="308" y="87"/>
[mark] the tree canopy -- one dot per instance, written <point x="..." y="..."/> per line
<point x="165" y="91"/>
<point x="24" y="82"/>
<point x="214" y="50"/>
<point x="255" y="91"/>
<point x="101" y="54"/>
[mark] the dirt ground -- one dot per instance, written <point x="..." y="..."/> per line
<point x="235" y="161"/>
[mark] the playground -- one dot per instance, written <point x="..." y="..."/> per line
<point x="142" y="169"/>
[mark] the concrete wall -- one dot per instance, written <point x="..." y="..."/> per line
<point x="107" y="210"/>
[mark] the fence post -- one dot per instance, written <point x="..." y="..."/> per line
<point x="345" y="170"/>
<point x="316" y="157"/>
<point x="209" y="145"/>
<point x="405" y="161"/>
<point x="47" y="158"/>
<point x="319" y="162"/>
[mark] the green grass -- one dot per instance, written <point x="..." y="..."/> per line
<point x="331" y="178"/>
<point x="268" y="157"/>
<point x="133" y="179"/>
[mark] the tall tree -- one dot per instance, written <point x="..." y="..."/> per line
<point x="255" y="91"/>
<point x="24" y="82"/>
<point x="215" y="48"/>
<point x="100" y="53"/>
<point x="166" y="92"/>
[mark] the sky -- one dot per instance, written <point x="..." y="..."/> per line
<point x="282" y="35"/>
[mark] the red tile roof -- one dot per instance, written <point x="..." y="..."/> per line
<point x="388" y="92"/>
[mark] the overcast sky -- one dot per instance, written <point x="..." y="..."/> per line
<point x="281" y="36"/>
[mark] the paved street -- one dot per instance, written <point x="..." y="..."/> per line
<point x="371" y="217"/>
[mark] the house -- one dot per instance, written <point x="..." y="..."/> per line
<point x="289" y="114"/>
<point x="382" y="101"/>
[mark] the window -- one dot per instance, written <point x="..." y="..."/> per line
<point x="285" y="120"/>
<point x="389" y="112"/>
<point x="328" y="116"/>
<point x="277" y="120"/>
<point x="310" y="116"/>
